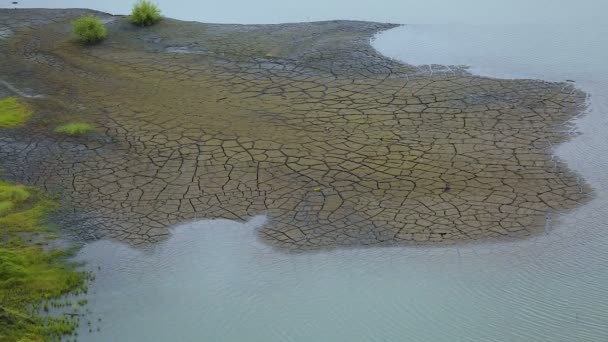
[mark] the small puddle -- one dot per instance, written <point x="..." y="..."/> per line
<point x="27" y="93"/>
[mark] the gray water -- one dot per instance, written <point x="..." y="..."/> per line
<point x="397" y="11"/>
<point x="213" y="281"/>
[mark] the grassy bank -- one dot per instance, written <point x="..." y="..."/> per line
<point x="31" y="273"/>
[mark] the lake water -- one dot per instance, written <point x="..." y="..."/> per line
<point x="212" y="281"/>
<point x="397" y="11"/>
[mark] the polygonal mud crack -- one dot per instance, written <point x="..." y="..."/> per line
<point x="307" y="123"/>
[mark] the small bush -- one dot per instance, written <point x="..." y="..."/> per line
<point x="74" y="129"/>
<point x="145" y="13"/>
<point x="89" y="29"/>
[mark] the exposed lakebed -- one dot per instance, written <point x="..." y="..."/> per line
<point x="306" y="123"/>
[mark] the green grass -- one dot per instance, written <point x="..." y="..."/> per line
<point x="89" y="29"/>
<point x="13" y="113"/>
<point x="145" y="13"/>
<point x="31" y="275"/>
<point x="74" y="129"/>
<point x="21" y="210"/>
<point x="10" y="192"/>
<point x="6" y="207"/>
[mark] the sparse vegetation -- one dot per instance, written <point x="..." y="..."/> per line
<point x="145" y="13"/>
<point x="13" y="113"/>
<point x="89" y="29"/>
<point x="30" y="276"/>
<point x="74" y="128"/>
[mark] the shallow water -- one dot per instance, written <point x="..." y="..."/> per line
<point x="213" y="281"/>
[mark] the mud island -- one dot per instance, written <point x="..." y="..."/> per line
<point x="306" y="123"/>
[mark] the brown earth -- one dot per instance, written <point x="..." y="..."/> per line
<point x="306" y="123"/>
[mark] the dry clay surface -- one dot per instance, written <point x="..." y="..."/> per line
<point x="306" y="123"/>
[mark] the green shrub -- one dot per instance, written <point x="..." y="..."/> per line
<point x="75" y="128"/>
<point x="145" y="13"/>
<point x="89" y="29"/>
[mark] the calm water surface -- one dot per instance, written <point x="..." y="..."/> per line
<point x="212" y="281"/>
<point x="398" y="11"/>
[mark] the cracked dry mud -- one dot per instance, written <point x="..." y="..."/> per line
<point x="306" y="123"/>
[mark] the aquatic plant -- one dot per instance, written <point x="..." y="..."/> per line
<point x="31" y="275"/>
<point x="13" y="113"/>
<point x="89" y="29"/>
<point x="74" y="128"/>
<point x="145" y="13"/>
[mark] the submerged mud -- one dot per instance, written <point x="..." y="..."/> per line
<point x="306" y="123"/>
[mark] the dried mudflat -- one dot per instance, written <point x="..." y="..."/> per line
<point x="306" y="123"/>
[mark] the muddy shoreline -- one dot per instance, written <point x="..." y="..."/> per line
<point x="338" y="145"/>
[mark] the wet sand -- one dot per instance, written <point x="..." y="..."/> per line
<point x="306" y="123"/>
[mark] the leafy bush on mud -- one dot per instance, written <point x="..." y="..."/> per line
<point x="89" y="29"/>
<point x="145" y="13"/>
